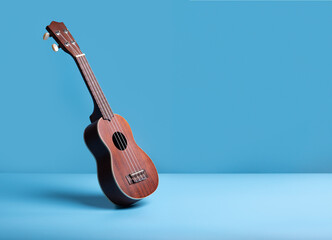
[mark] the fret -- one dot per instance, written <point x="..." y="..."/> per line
<point x="94" y="87"/>
<point x="126" y="174"/>
<point x="66" y="42"/>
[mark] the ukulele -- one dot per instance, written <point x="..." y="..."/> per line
<point x="126" y="174"/>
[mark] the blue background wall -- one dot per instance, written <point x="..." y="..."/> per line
<point x="206" y="86"/>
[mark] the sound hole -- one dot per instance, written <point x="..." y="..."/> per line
<point x="119" y="141"/>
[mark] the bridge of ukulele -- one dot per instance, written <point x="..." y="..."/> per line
<point x="137" y="177"/>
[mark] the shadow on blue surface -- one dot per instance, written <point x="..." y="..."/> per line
<point x="89" y="200"/>
<point x="186" y="206"/>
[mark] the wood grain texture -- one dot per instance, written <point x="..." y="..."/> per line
<point x="114" y="165"/>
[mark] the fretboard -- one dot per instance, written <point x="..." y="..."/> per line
<point x="94" y="87"/>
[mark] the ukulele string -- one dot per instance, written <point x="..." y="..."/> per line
<point x="108" y="115"/>
<point x="108" y="111"/>
<point x="93" y="88"/>
<point x="117" y="125"/>
<point x="112" y="119"/>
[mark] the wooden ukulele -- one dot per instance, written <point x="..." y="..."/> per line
<point x="126" y="174"/>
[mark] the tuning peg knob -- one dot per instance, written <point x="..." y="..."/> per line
<point x="46" y="36"/>
<point x="55" y="47"/>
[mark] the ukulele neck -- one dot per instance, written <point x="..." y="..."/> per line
<point x="102" y="108"/>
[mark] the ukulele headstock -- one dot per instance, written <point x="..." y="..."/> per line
<point x="63" y="37"/>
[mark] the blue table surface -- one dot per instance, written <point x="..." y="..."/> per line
<point x="185" y="206"/>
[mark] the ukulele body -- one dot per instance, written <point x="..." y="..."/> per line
<point x="126" y="174"/>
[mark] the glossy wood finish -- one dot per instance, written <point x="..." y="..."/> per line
<point x="66" y="41"/>
<point x="102" y="107"/>
<point x="113" y="164"/>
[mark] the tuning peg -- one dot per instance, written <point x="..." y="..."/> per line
<point x="55" y="47"/>
<point x="46" y="36"/>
